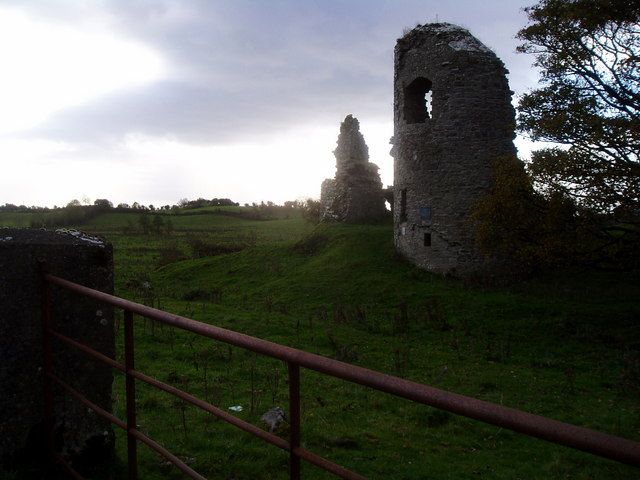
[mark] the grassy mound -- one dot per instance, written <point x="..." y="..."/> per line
<point x="565" y="346"/>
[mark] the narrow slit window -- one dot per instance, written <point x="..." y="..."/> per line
<point x="427" y="239"/>
<point x="403" y="205"/>
<point x="418" y="101"/>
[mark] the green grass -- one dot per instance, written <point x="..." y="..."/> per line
<point x="13" y="219"/>
<point x="137" y="255"/>
<point x="550" y="347"/>
<point x="563" y="345"/>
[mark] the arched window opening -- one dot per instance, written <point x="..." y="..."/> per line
<point x="417" y="100"/>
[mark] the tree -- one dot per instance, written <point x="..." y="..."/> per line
<point x="102" y="204"/>
<point x="9" y="207"/>
<point x="311" y="210"/>
<point x="588" y="52"/>
<point x="525" y="231"/>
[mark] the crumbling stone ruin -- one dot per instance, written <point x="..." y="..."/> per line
<point x="355" y="194"/>
<point x="453" y="119"/>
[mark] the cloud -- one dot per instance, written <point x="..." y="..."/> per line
<point x="47" y="67"/>
<point x="234" y="72"/>
<point x="247" y="69"/>
<point x="199" y="114"/>
<point x="249" y="101"/>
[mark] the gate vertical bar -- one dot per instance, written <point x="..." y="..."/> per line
<point x="294" y="420"/>
<point x="47" y="360"/>
<point x="130" y="387"/>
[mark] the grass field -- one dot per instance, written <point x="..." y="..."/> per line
<point x="564" y="345"/>
<point x="16" y="219"/>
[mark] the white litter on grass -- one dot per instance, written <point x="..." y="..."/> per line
<point x="6" y="239"/>
<point x="236" y="408"/>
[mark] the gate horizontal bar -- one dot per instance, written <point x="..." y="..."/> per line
<point x="183" y="467"/>
<point x="68" y="468"/>
<point x="88" y="350"/>
<point x="212" y="409"/>
<point x="322" y="462"/>
<point x="84" y="400"/>
<point x="136" y="433"/>
<point x="580" y="438"/>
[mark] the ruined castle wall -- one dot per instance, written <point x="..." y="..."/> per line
<point x="452" y="119"/>
<point x="79" y="258"/>
<point x="355" y="194"/>
<point x="327" y="194"/>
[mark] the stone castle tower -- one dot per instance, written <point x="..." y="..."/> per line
<point x="355" y="194"/>
<point x="452" y="119"/>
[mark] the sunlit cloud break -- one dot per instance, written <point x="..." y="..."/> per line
<point x="47" y="67"/>
<point x="155" y="101"/>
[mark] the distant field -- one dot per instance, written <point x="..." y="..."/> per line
<point x="211" y="209"/>
<point x="10" y="219"/>
<point x="564" y="345"/>
<point x="137" y="255"/>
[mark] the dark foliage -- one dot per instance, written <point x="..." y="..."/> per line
<point x="201" y="247"/>
<point x="63" y="217"/>
<point x="311" y="210"/>
<point x="311" y="244"/>
<point x="203" y="202"/>
<point x="589" y="102"/>
<point x="529" y="231"/>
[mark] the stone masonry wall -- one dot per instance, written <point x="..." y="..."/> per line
<point x="355" y="195"/>
<point x="444" y="148"/>
<point x="327" y="194"/>
<point x="81" y="259"/>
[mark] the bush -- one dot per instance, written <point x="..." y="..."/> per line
<point x="170" y="254"/>
<point x="202" y="248"/>
<point x="311" y="244"/>
<point x="526" y="231"/>
<point x="72" y="215"/>
<point x="311" y="210"/>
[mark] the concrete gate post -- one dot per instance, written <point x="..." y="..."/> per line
<point x="79" y="434"/>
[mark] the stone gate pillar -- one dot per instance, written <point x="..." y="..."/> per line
<point x="82" y="259"/>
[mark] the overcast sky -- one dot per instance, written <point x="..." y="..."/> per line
<point x="157" y="100"/>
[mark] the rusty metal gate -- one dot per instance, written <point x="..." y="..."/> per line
<point x="597" y="443"/>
